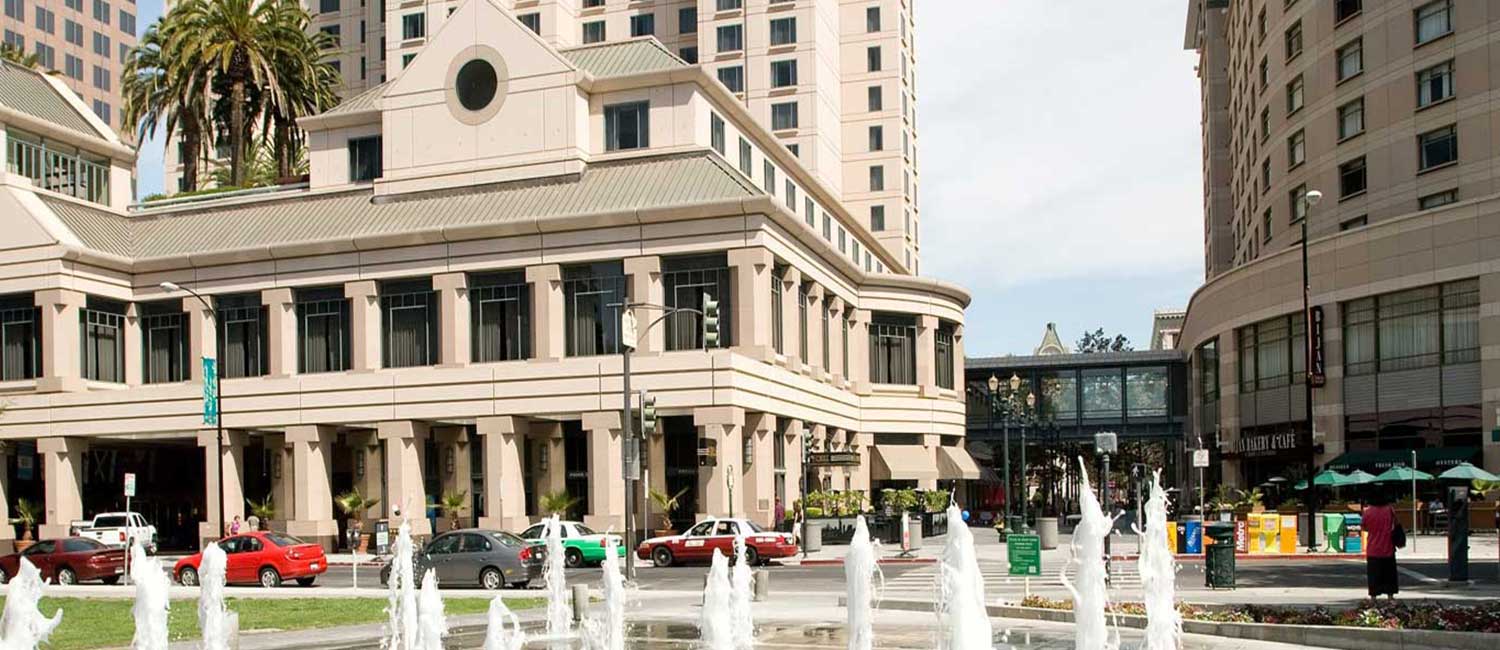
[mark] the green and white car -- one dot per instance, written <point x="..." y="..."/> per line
<point x="581" y="545"/>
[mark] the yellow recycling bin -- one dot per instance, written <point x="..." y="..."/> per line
<point x="1289" y="534"/>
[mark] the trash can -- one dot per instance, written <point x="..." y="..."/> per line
<point x="1046" y="529"/>
<point x="1333" y="531"/>
<point x="812" y="536"/>
<point x="1219" y="557"/>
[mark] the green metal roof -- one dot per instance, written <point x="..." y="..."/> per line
<point x="623" y="58"/>
<point x="25" y="90"/>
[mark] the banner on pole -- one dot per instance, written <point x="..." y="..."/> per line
<point x="210" y="391"/>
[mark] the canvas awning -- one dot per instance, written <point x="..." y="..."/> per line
<point x="903" y="463"/>
<point x="1432" y="459"/>
<point x="955" y="463"/>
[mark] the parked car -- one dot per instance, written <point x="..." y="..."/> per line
<point x="260" y="557"/>
<point x="117" y="529"/>
<point x="487" y="558"/>
<point x="699" y="542"/>
<point x="68" y="561"/>
<point x="581" y="545"/>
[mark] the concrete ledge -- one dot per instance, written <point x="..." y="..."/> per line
<point x="1322" y="636"/>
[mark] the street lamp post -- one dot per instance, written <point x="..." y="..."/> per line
<point x="994" y="385"/>
<point x="218" y="395"/>
<point x="1025" y="423"/>
<point x="1311" y="199"/>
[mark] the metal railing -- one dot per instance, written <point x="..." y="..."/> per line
<point x="56" y="171"/>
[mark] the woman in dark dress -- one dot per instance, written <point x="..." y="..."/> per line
<point x="1379" y="522"/>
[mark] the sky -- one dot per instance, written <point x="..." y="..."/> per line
<point x="1059" y="159"/>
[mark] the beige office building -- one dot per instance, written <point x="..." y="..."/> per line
<point x="1386" y="108"/>
<point x="81" y="42"/>
<point x="437" y="311"/>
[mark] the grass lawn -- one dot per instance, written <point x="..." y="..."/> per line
<point x="98" y="622"/>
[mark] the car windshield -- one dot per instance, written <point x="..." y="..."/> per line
<point x="283" y="539"/>
<point x="754" y="527"/>
<point x="535" y="532"/>
<point x="584" y="530"/>
<point x="508" y="539"/>
<point x="80" y="544"/>
<point x="112" y="521"/>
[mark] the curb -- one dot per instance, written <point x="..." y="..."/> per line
<point x="891" y="560"/>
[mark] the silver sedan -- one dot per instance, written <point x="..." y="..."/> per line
<point x="487" y="558"/>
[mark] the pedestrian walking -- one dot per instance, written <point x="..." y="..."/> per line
<point x="1385" y="535"/>
<point x="234" y="526"/>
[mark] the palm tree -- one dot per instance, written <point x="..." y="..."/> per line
<point x="310" y="86"/>
<point x="157" y="93"/>
<point x="452" y="504"/>
<point x="19" y="56"/>
<point x="558" y="503"/>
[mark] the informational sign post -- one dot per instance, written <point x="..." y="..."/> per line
<point x="1024" y="553"/>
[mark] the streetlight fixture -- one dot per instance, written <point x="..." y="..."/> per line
<point x="1309" y="199"/>
<point x="218" y="394"/>
<point x="1025" y="422"/>
<point x="994" y="385"/>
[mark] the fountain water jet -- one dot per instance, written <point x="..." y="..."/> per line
<point x="504" y="629"/>
<point x="217" y="623"/>
<point x="715" y="631"/>
<point x="1159" y="574"/>
<point x="559" y="607"/>
<point x="860" y="571"/>
<point x="432" y="625"/>
<point x="23" y="626"/>
<point x="402" y="606"/>
<point x="741" y="619"/>
<point x="610" y="632"/>
<point x="962" y="614"/>
<point x="151" y="604"/>
<point x="1090" y="596"/>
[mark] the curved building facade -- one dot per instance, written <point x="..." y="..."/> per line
<point x="1387" y="109"/>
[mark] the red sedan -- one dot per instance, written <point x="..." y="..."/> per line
<point x="68" y="561"/>
<point x="699" y="543"/>
<point x="260" y="557"/>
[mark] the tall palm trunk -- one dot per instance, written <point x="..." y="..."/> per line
<point x="192" y="142"/>
<point x="237" y="131"/>
<point x="284" y="148"/>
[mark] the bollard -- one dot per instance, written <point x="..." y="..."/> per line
<point x="762" y="582"/>
<point x="232" y="621"/>
<point x="580" y="602"/>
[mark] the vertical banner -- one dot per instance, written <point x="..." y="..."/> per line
<point x="210" y="392"/>
<point x="1315" y="370"/>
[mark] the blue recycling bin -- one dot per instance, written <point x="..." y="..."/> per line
<point x="1193" y="534"/>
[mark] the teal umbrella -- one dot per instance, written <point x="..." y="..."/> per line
<point x="1360" y="477"/>
<point x="1402" y="474"/>
<point x="1467" y="472"/>
<point x="1326" y="478"/>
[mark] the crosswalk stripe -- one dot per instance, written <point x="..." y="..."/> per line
<point x="996" y="575"/>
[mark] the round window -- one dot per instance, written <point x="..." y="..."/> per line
<point x="476" y="84"/>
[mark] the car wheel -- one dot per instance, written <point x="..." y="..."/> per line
<point x="66" y="576"/>
<point x="573" y="558"/>
<point x="524" y="584"/>
<point x="752" y="556"/>
<point x="385" y="575"/>
<point x="110" y="580"/>
<point x="661" y="556"/>
<point x="4" y="577"/>
<point x="188" y="577"/>
<point x="306" y="582"/>
<point x="490" y="578"/>
<point x="269" y="578"/>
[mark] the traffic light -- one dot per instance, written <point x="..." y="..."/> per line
<point x="648" y="414"/>
<point x="710" y="322"/>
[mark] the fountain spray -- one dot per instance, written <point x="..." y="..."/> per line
<point x="741" y="619"/>
<point x="714" y="627"/>
<point x="23" y="626"/>
<point x="1159" y="574"/>
<point x="499" y="636"/>
<point x="962" y="613"/>
<point x="212" y="617"/>
<point x="402" y="604"/>
<point x="1090" y="596"/>
<point x="432" y="624"/>
<point x="613" y="632"/>
<point x="860" y="571"/>
<point x="559" y="608"/>
<point x="151" y="604"/>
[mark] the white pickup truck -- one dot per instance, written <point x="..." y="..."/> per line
<point x="114" y="529"/>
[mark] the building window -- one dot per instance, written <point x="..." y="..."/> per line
<point x="791" y="196"/>
<point x="1352" y="119"/>
<point x="1356" y="222"/>
<point x="733" y="78"/>
<point x="1265" y="226"/>
<point x="593" y="32"/>
<point x="872" y="19"/>
<point x="1260" y="25"/>
<point x="783" y="116"/>
<point x="844" y="343"/>
<point x="409" y="311"/>
<point x="102" y="337"/>
<point x="20" y="339"/>
<point x="1435" y="84"/>
<point x="591" y="294"/>
<point x="101" y="11"/>
<point x="872" y="59"/>
<point x="407" y="58"/>
<point x="874" y="99"/>
<point x="1294" y="97"/>
<point x="1434" y="20"/>
<point x="943" y="358"/>
<point x="1296" y="149"/>
<point x="1265" y="176"/>
<point x="101" y="44"/>
<point x="1346" y="9"/>
<point x="322" y="330"/>
<point x="532" y="21"/>
<point x="1271" y="353"/>
<point x="413" y="25"/>
<point x="783" y="31"/>
<point x="73" y="32"/>
<point x="1416" y="328"/>
<point x="1352" y="178"/>
<point x="643" y="25"/>
<point x="333" y="33"/>
<point x="242" y="335"/>
<point x="1439" y="147"/>
<point x="365" y="156"/>
<point x="727" y="5"/>
<point x="627" y="126"/>
<point x="747" y="163"/>
<point x="783" y="73"/>
<point x="827" y="227"/>
<point x="685" y="281"/>
<point x="500" y="308"/>
<point x="893" y="349"/>
<point x="731" y="38"/>
<point x="809" y="212"/>
<point x="877" y="138"/>
<point x="164" y="341"/>
<point x="827" y="339"/>
<point x="716" y="132"/>
<point x="688" y="54"/>
<point x="1437" y="199"/>
<point x="687" y="20"/>
<point x="778" y="329"/>
<point x="802" y="303"/>
<point x="1297" y="201"/>
<point x="877" y="178"/>
<point x="877" y="218"/>
<point x="1265" y="124"/>
<point x="843" y="240"/>
<point x="1265" y="73"/>
<point x="590" y="4"/>
<point x="770" y="177"/>
<point x="1294" y="40"/>
<point x="1351" y="59"/>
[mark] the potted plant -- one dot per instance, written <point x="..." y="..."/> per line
<point x="666" y="504"/>
<point x="558" y="503"/>
<point x="354" y="505"/>
<point x="935" y="500"/>
<point x="27" y="512"/>
<point x="1291" y="506"/>
<point x="452" y="505"/>
<point x="263" y="511"/>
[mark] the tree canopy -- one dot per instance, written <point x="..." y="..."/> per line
<point x="1098" y="341"/>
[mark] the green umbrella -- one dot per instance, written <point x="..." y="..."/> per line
<point x="1467" y="472"/>
<point x="1326" y="478"/>
<point x="1402" y="474"/>
<point x="1360" y="477"/>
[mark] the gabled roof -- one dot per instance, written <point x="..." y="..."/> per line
<point x="623" y="58"/>
<point x="300" y="218"/>
<point x="368" y="100"/>
<point x="24" y="90"/>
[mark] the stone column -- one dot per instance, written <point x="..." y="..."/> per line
<point x="233" y="458"/>
<point x="1229" y="407"/>
<point x="404" y="451"/>
<point x="758" y="498"/>
<point x="134" y="346"/>
<point x="930" y="443"/>
<point x="364" y="324"/>
<point x="62" y="467"/>
<point x="814" y="360"/>
<point x="859" y="350"/>
<point x="836" y="441"/>
<point x="453" y="317"/>
<point x="859" y="477"/>
<point x="61" y="368"/>
<point x="927" y="355"/>
<point x="606" y="474"/>
<point x="555" y="473"/>
<point x="1489" y="368"/>
<point x="455" y="470"/>
<point x="791" y="280"/>
<point x="1328" y="401"/>
<point x="203" y="340"/>
<point x="821" y="438"/>
<point x="364" y="447"/>
<point x="548" y="316"/>
<point x="312" y="495"/>
<point x="835" y="367"/>
<point x="283" y="479"/>
<point x="656" y="451"/>
<point x="958" y="360"/>
<point x="281" y="331"/>
<point x="750" y="269"/>
<point x="645" y="286"/>
<point x="504" y="487"/>
<point x="721" y="424"/>
<point x="791" y="442"/>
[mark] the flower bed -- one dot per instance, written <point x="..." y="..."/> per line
<point x="1404" y="615"/>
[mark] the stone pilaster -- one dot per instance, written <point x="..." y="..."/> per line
<point x="364" y="448"/>
<point x="453" y="318"/>
<point x="552" y="464"/>
<point x="62" y="465"/>
<point x="312" y="494"/>
<point x="835" y="367"/>
<point x="1489" y="368"/>
<point x="61" y="369"/>
<point x="927" y="355"/>
<point x="203" y="341"/>
<point x="283" y="479"/>
<point x="404" y="451"/>
<point x="644" y="274"/>
<point x="504" y="488"/>
<point x="455" y="470"/>
<point x="364" y="324"/>
<point x="722" y="424"/>
<point x="281" y="331"/>
<point x="233" y="459"/>
<point x="751" y="270"/>
<point x="548" y="314"/>
<point x="606" y="474"/>
<point x="134" y="346"/>
<point x="814" y="361"/>
<point x="791" y="442"/>
<point x="859" y="350"/>
<point x="7" y="533"/>
<point x="791" y="282"/>
<point x="758" y="498"/>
